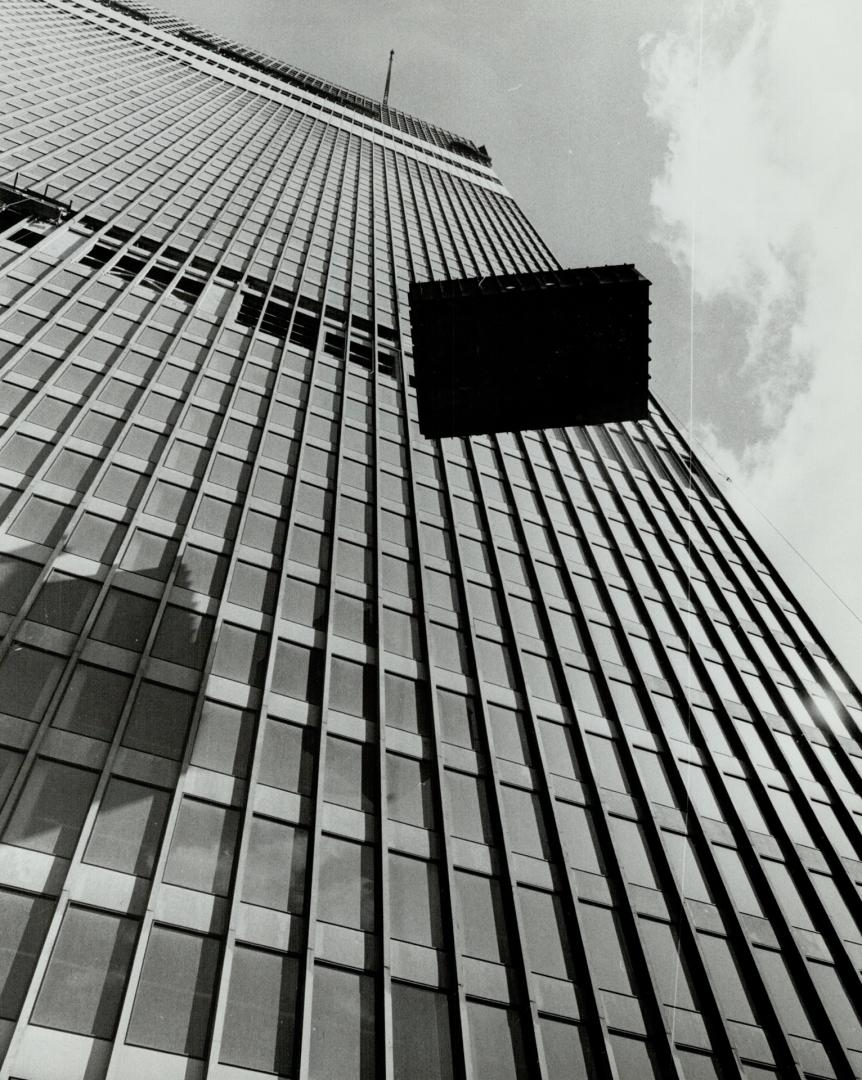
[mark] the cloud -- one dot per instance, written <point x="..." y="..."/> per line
<point x="758" y="201"/>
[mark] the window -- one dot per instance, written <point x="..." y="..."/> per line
<point x="24" y="921"/>
<point x="632" y="850"/>
<point x="685" y="866"/>
<point x="607" y="763"/>
<point x="422" y="1046"/>
<point x="27" y="680"/>
<point x="346" y="883"/>
<point x="496" y="1048"/>
<point x="457" y="718"/>
<point x="92" y="702"/>
<point x="41" y="521"/>
<point x="353" y="688"/>
<point x="559" y="749"/>
<point x="275" y="868"/>
<point x="794" y="907"/>
<point x="223" y="739"/>
<point x="468" y="805"/>
<point x="172" y="1006"/>
<point x="565" y="1048"/>
<point x="342" y="1026"/>
<point x="576" y="826"/>
<point x="672" y="980"/>
<point x="298" y="672"/>
<point x="125" y="619"/>
<point x="700" y="790"/>
<point x="159" y="720"/>
<point x="782" y="992"/>
<point x="632" y="1056"/>
<point x="10" y="762"/>
<point x="525" y="826"/>
<point x="745" y="804"/>
<point x="414" y="897"/>
<point x="408" y="791"/>
<point x="86" y="975"/>
<point x="406" y="703"/>
<point x="64" y="602"/>
<point x="183" y="637"/>
<point x="51" y="808"/>
<point x="128" y="827"/>
<point x="510" y="739"/>
<point x="352" y="618"/>
<point x="482" y="919"/>
<point x="304" y="603"/>
<point x="737" y="880"/>
<point x="287" y="757"/>
<point x="726" y="981"/>
<point x="201" y="855"/>
<point x="260" y="1019"/>
<point x="611" y="966"/>
<point x="584" y="691"/>
<point x="241" y="655"/>
<point x="350" y="773"/>
<point x="547" y="944"/>
<point x="401" y="634"/>
<point x="841" y="1010"/>
<point x="653" y="776"/>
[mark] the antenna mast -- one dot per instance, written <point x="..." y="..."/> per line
<point x="388" y="77"/>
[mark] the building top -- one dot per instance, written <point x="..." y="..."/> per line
<point x="278" y="69"/>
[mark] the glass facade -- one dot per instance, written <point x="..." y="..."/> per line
<point x="327" y="750"/>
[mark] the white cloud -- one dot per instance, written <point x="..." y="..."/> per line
<point x="760" y="190"/>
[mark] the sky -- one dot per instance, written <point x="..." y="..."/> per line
<point x="715" y="144"/>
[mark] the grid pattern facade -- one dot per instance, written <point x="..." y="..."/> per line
<point x="332" y="752"/>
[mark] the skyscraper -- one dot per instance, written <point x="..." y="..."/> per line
<point x="329" y="751"/>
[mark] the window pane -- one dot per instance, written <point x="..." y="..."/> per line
<point x="632" y="851"/>
<point x="576" y="826"/>
<point x="482" y="917"/>
<point x="611" y="967"/>
<point x="352" y="689"/>
<point x="124" y="620"/>
<point x="349" y="774"/>
<point x="414" y="899"/>
<point x="545" y="932"/>
<point x="346" y="883"/>
<point x="524" y="822"/>
<point x="671" y="975"/>
<point x="51" y="808"/>
<point x="128" y="827"/>
<point x="408" y="791"/>
<point x="92" y="702"/>
<point x="422" y="1046"/>
<point x="261" y="1011"/>
<point x="159" y="720"/>
<point x="632" y="1056"/>
<point x="783" y="993"/>
<point x="275" y="867"/>
<point x="27" y="680"/>
<point x="405" y="704"/>
<point x="201" y="855"/>
<point x="469" y="809"/>
<point x="495" y="1043"/>
<point x="730" y="991"/>
<point x="510" y="740"/>
<point x="565" y="1050"/>
<point x="172" y="1005"/>
<point x="86" y="975"/>
<point x="298" y="672"/>
<point x="342" y="1026"/>
<point x="24" y="921"/>
<point x="223" y="739"/>
<point x="287" y="756"/>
